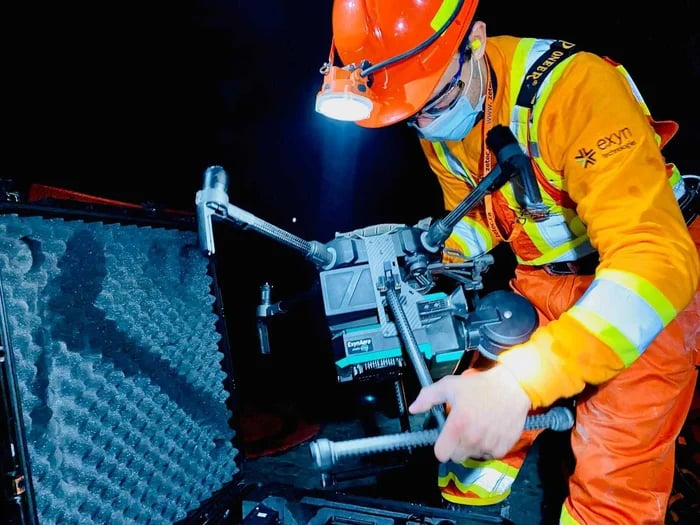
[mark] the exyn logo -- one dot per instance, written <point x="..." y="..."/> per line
<point x="585" y="157"/>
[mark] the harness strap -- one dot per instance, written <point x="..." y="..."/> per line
<point x="558" y="51"/>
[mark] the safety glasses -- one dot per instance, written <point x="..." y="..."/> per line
<point x="445" y="99"/>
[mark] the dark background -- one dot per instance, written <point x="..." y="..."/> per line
<point x="133" y="100"/>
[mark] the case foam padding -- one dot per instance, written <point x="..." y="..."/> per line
<point x="116" y="352"/>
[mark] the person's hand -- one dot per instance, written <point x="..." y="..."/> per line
<point x="487" y="413"/>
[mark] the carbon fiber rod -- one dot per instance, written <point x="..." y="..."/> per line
<point x="213" y="203"/>
<point x="326" y="453"/>
<point x="404" y="328"/>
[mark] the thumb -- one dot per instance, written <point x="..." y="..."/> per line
<point x="429" y="396"/>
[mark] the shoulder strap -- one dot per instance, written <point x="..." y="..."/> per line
<point x="558" y="51"/>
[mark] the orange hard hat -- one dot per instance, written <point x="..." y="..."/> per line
<point x="379" y="30"/>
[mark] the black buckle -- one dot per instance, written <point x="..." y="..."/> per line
<point x="690" y="202"/>
<point x="561" y="268"/>
<point x="586" y="265"/>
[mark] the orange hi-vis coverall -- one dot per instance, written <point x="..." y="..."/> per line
<point x="624" y="341"/>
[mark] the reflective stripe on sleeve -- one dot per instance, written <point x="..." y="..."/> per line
<point x="472" y="237"/>
<point x="624" y="311"/>
<point x="484" y="478"/>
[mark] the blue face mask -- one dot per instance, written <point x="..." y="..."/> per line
<point x="456" y="122"/>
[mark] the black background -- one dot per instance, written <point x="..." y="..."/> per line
<point x="133" y="100"/>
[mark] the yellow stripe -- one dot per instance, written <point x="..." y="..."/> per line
<point x="519" y="61"/>
<point x="476" y="502"/>
<point x="444" y="155"/>
<point x="554" y="177"/>
<point x="479" y="230"/>
<point x="493" y="464"/>
<point x="647" y="291"/>
<point x="519" y="114"/>
<point x="675" y="175"/>
<point x="504" y="472"/>
<point x="484" y="233"/>
<point x="565" y="518"/>
<point x="445" y="12"/>
<point x="607" y="333"/>
<point x="486" y="496"/>
<point x="543" y="94"/>
<point x="462" y="246"/>
<point x="576" y="225"/>
<point x="550" y="254"/>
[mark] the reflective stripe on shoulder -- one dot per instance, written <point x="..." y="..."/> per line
<point x="523" y="121"/>
<point x="624" y="311"/>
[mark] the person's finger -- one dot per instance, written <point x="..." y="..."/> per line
<point x="429" y="396"/>
<point x="450" y="443"/>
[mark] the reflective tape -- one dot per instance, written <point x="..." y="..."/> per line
<point x="624" y="311"/>
<point x="472" y="237"/>
<point x="485" y="479"/>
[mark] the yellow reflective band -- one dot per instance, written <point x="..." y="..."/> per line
<point x="577" y="226"/>
<point x="476" y="502"/>
<point x="676" y="176"/>
<point x="624" y="311"/>
<point x="451" y="163"/>
<point x="543" y="94"/>
<point x="520" y="116"/>
<point x="485" y="478"/>
<point x="521" y="60"/>
<point x="567" y="519"/>
<point x="472" y="237"/>
<point x="445" y="12"/>
<point x="554" y="177"/>
<point x="647" y="291"/>
<point x="550" y="253"/>
<point x="607" y="333"/>
<point x="677" y="182"/>
<point x="551" y="236"/>
<point x="494" y="464"/>
<point x="479" y="486"/>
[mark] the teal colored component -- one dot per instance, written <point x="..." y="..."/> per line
<point x="449" y="356"/>
<point x="425" y="349"/>
<point x="362" y="328"/>
<point x="434" y="296"/>
<point x="363" y="358"/>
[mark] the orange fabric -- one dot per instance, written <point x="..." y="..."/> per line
<point x="376" y="31"/>
<point x="623" y="442"/>
<point x="515" y="459"/>
<point x="689" y="318"/>
<point x="622" y="194"/>
<point x="593" y="132"/>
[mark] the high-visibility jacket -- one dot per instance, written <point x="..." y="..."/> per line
<point x="597" y="157"/>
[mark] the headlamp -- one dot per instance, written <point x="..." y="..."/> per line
<point x="344" y="94"/>
<point x="347" y="92"/>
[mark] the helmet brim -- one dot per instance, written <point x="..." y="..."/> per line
<point x="377" y="32"/>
